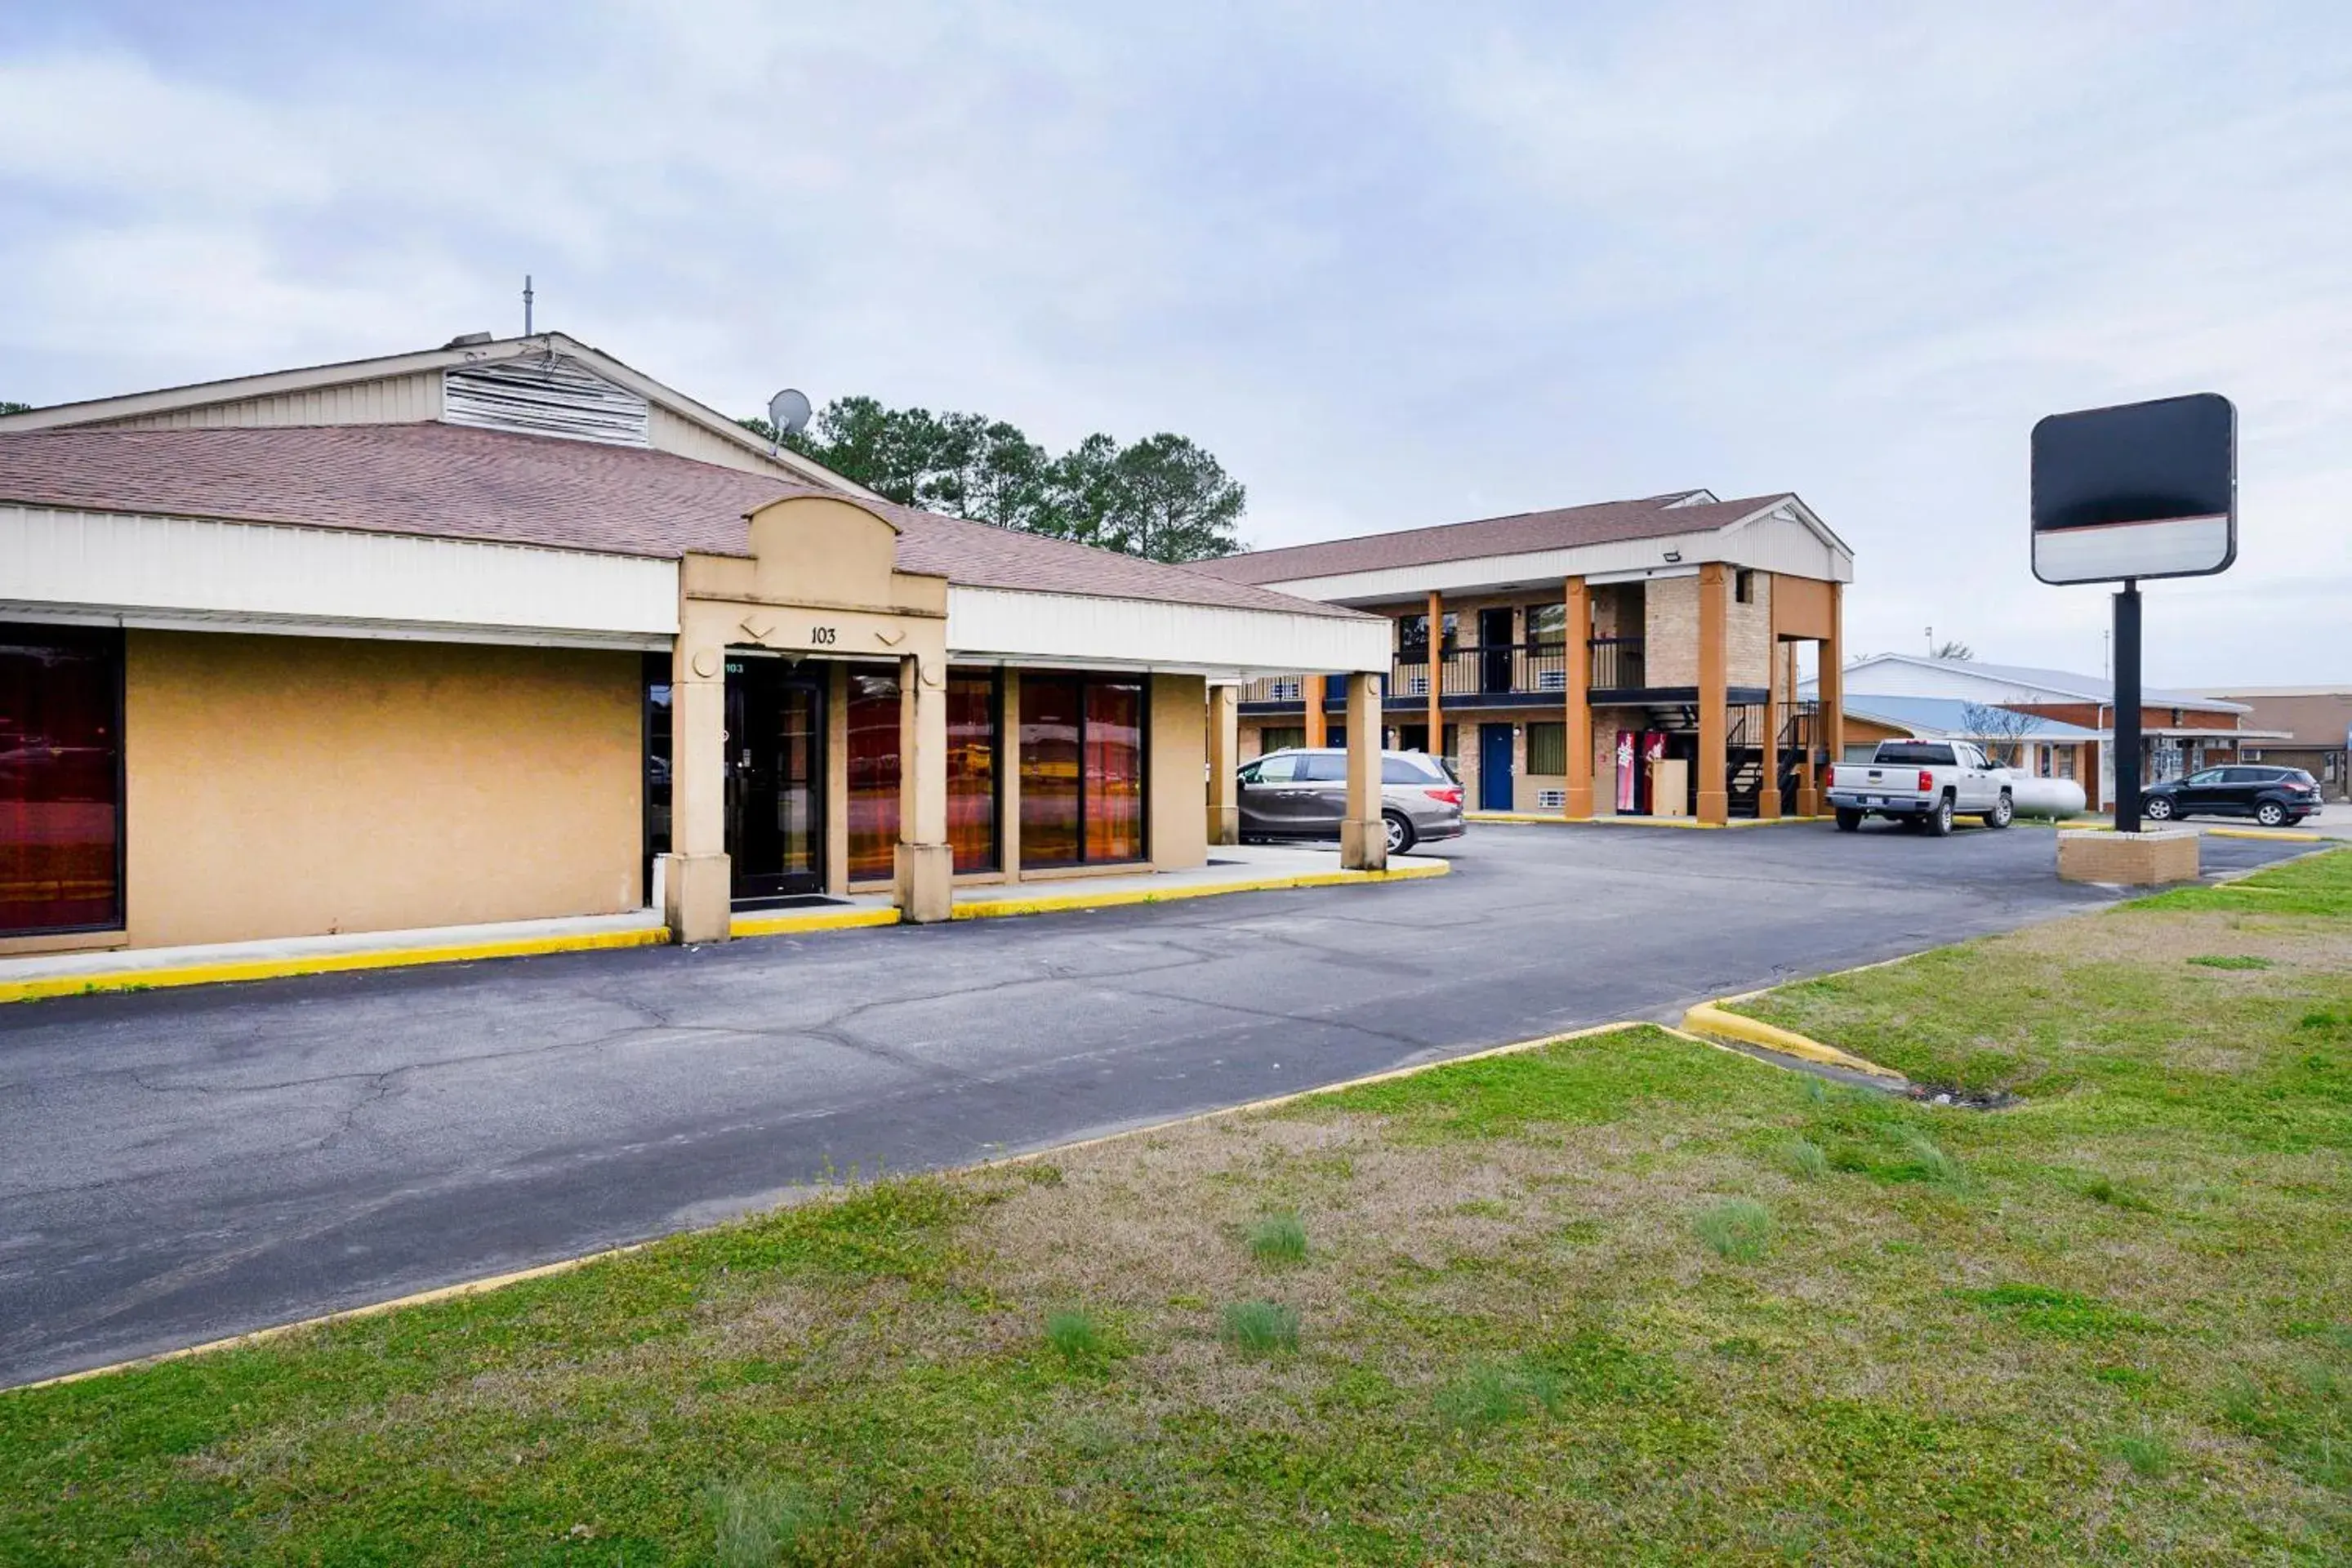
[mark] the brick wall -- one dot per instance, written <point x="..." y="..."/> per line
<point x="1670" y="624"/>
<point x="1748" y="631"/>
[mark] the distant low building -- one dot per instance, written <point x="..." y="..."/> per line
<point x="2046" y="748"/>
<point x="2180" y="731"/>
<point x="2316" y="722"/>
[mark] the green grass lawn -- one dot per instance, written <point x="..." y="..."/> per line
<point x="1622" y="1299"/>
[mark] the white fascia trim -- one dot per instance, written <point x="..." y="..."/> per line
<point x="1795" y="506"/>
<point x="1008" y="624"/>
<point x="296" y="627"/>
<point x="269" y="576"/>
<point x="1483" y="572"/>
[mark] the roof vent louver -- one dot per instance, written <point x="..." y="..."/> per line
<point x="545" y="397"/>
<point x="466" y="340"/>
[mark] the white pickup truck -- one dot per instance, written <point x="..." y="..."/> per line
<point x="1921" y="783"/>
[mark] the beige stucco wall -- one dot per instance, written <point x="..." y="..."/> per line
<point x="297" y="786"/>
<point x="1177" y="788"/>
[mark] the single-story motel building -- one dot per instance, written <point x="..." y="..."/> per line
<point x="506" y="631"/>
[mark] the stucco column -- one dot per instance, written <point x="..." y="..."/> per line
<point x="1578" y="806"/>
<point x="1831" y="683"/>
<point x="696" y="892"/>
<point x="1713" y="696"/>
<point x="925" y="860"/>
<point x="1311" y="687"/>
<point x="1224" y="756"/>
<point x="1435" y="664"/>
<point x="1363" y="837"/>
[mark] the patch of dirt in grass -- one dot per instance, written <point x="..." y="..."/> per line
<point x="2161" y="938"/>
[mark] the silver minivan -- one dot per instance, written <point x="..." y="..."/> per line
<point x="1303" y="794"/>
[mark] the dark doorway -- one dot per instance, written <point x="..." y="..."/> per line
<point x="775" y="777"/>
<point x="1495" y="649"/>
<point x="1495" y="767"/>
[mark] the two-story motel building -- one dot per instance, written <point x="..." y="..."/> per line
<point x="1554" y="656"/>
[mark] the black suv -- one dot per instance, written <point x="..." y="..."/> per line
<point x="2271" y="796"/>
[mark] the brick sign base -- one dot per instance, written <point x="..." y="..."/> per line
<point x="2148" y="858"/>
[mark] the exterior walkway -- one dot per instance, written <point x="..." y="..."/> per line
<point x="1232" y="868"/>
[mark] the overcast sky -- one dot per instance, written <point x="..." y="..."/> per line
<point x="1392" y="265"/>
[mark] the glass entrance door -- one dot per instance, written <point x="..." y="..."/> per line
<point x="775" y="778"/>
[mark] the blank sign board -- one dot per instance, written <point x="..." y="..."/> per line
<point x="2147" y="489"/>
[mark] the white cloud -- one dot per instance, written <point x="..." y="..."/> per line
<point x="1392" y="271"/>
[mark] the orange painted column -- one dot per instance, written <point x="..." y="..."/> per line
<point x="1833" y="680"/>
<point x="1578" y="806"/>
<point x="1713" y="695"/>
<point x="1808" y="797"/>
<point x="1768" y="791"/>
<point x="1311" y="687"/>
<point x="1436" y="674"/>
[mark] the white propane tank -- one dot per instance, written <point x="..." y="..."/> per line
<point x="2044" y="797"/>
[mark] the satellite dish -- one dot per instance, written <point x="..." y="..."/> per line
<point x="789" y="411"/>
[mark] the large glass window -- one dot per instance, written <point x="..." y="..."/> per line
<point x="61" y="780"/>
<point x="1082" y="761"/>
<point x="974" y="768"/>
<point x="874" y="711"/>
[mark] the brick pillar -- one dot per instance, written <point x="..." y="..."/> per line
<point x="1767" y="798"/>
<point x="1311" y="687"/>
<point x="1436" y="675"/>
<point x="1713" y="695"/>
<point x="1578" y="806"/>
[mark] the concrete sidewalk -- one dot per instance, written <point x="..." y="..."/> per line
<point x="1232" y="868"/>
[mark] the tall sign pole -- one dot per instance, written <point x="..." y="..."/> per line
<point x="2146" y="489"/>
<point x="2127" y="741"/>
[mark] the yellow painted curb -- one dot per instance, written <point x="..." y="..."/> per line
<point x="1710" y="1018"/>
<point x="2270" y="835"/>
<point x="373" y="1308"/>
<point x="1048" y="903"/>
<point x="322" y="963"/>
<point x="1551" y="819"/>
<point x="808" y="920"/>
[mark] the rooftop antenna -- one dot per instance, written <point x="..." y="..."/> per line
<point x="1931" y="642"/>
<point x="526" y="304"/>
<point x="788" y="414"/>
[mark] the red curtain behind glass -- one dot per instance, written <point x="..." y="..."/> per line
<point x="1114" y="783"/>
<point x="873" y="775"/>
<point x="1081" y="770"/>
<point x="60" y="811"/>
<point x="972" y="747"/>
<point x="1050" y="711"/>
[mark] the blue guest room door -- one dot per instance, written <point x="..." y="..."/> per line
<point x="1494" y="767"/>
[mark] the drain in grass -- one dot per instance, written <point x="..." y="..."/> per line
<point x="1260" y="1328"/>
<point x="1738" y="1229"/>
<point x="1278" y="1238"/>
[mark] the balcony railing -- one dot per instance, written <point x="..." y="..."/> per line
<point x="1500" y="670"/>
<point x="1617" y="664"/>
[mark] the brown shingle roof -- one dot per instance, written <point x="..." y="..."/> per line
<point x="448" y="482"/>
<point x="1563" y="529"/>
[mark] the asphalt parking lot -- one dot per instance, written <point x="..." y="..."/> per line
<point x="184" y="1165"/>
